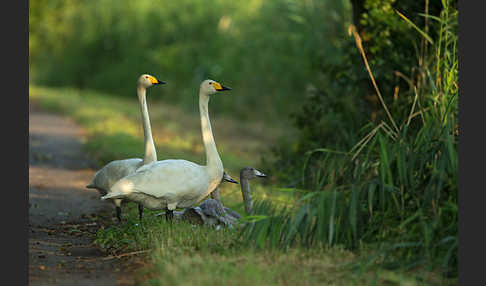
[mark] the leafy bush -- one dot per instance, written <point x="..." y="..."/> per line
<point x="397" y="187"/>
<point x="262" y="49"/>
<point x="341" y="98"/>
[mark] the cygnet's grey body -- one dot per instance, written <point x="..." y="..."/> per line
<point x="212" y="211"/>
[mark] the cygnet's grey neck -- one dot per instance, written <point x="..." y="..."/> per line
<point x="245" y="191"/>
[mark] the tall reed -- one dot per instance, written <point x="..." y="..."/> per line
<point x="396" y="189"/>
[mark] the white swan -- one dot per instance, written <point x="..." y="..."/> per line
<point x="107" y="176"/>
<point x="198" y="216"/>
<point x="169" y="184"/>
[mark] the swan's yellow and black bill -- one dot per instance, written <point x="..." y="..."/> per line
<point x="220" y="87"/>
<point x="153" y="80"/>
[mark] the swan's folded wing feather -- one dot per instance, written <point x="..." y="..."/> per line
<point x="164" y="178"/>
<point x="107" y="176"/>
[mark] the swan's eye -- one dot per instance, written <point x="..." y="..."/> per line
<point x="146" y="77"/>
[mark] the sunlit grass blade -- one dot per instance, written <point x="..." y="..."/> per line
<point x="427" y="37"/>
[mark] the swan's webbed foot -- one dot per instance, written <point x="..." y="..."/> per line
<point x="140" y="212"/>
<point x="118" y="213"/>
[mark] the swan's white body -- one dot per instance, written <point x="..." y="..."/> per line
<point x="107" y="176"/>
<point x="171" y="184"/>
<point x="212" y="212"/>
<point x="166" y="184"/>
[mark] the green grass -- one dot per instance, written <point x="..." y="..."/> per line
<point x="183" y="254"/>
<point x="396" y="190"/>
<point x="295" y="267"/>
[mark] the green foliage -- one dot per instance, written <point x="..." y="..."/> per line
<point x="393" y="194"/>
<point x="396" y="188"/>
<point x="262" y="49"/>
<point x="341" y="98"/>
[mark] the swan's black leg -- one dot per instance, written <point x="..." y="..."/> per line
<point x="140" y="212"/>
<point x="169" y="215"/>
<point x="118" y="213"/>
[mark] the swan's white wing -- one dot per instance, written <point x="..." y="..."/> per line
<point x="173" y="180"/>
<point x="107" y="176"/>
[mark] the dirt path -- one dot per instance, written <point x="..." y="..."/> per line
<point x="63" y="215"/>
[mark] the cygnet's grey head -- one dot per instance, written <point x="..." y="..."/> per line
<point x="250" y="173"/>
<point x="147" y="81"/>
<point x="210" y="87"/>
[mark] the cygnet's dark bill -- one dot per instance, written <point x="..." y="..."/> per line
<point x="231" y="180"/>
<point x="228" y="178"/>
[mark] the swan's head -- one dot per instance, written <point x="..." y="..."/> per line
<point x="147" y="81"/>
<point x="228" y="178"/>
<point x="250" y="173"/>
<point x="210" y="86"/>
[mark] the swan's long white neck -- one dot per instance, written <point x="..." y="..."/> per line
<point x="213" y="162"/>
<point x="150" y="152"/>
